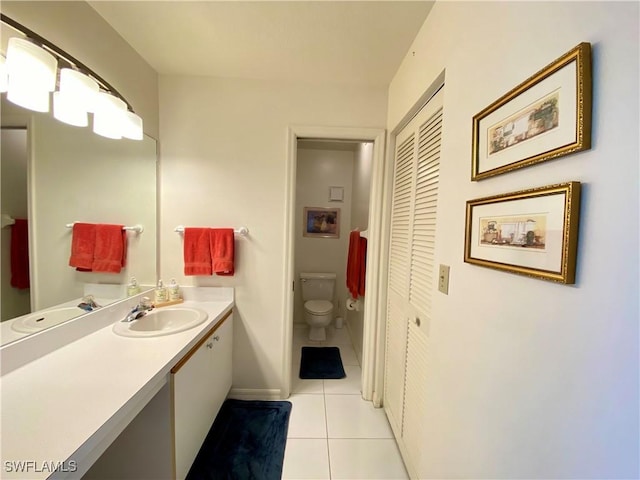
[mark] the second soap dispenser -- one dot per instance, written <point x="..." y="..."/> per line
<point x="174" y="291"/>
<point x="160" y="294"/>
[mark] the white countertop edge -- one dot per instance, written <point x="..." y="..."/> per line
<point x="85" y="456"/>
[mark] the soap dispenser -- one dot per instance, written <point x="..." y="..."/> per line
<point x="160" y="293"/>
<point x="133" y="288"/>
<point x="174" y="291"/>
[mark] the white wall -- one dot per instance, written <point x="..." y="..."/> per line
<point x="15" y="302"/>
<point x="527" y="378"/>
<point x="317" y="170"/>
<point x="224" y="151"/>
<point x="361" y="188"/>
<point x="77" y="175"/>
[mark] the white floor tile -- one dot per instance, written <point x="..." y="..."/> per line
<point x="365" y="459"/>
<point x="306" y="459"/>
<point x="352" y="384"/>
<point x="348" y="416"/>
<point x="299" y="385"/>
<point x="348" y="355"/>
<point x="338" y="336"/>
<point x="308" y="419"/>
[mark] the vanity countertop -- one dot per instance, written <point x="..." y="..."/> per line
<point x="66" y="407"/>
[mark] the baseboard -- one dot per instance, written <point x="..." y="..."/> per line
<point x="255" y="394"/>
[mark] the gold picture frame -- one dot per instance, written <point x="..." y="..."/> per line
<point x="530" y="232"/>
<point x="545" y="117"/>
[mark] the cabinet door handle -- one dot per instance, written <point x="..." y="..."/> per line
<point x="216" y="338"/>
<point x="210" y="345"/>
<point x="418" y="321"/>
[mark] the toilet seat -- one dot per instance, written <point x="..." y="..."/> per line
<point x="318" y="307"/>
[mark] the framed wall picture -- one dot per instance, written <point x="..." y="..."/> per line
<point x="321" y="222"/>
<point x="531" y="232"/>
<point x="545" y="117"/>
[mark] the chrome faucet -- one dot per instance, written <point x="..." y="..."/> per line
<point x="88" y="303"/>
<point x="139" y="311"/>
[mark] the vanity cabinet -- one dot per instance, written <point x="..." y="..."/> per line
<point x="199" y="384"/>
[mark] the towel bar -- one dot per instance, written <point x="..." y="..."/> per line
<point x="135" y="228"/>
<point x="7" y="220"/>
<point x="242" y="231"/>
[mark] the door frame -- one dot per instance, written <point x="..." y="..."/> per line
<point x="370" y="350"/>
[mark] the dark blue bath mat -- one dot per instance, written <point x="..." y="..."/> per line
<point x="246" y="442"/>
<point x="321" y="362"/>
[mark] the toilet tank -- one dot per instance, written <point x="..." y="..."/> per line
<point x="318" y="286"/>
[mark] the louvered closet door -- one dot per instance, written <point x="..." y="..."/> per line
<point x="411" y="277"/>
<point x="399" y="265"/>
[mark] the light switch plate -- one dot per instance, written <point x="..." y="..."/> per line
<point x="443" y="279"/>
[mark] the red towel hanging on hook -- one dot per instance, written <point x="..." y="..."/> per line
<point x="356" y="264"/>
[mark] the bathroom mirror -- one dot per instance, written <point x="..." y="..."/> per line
<point x="53" y="174"/>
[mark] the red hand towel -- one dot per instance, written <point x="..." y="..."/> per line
<point x="82" y="246"/>
<point x="353" y="264"/>
<point x="20" y="254"/>
<point x="222" y="250"/>
<point x="362" y="271"/>
<point x="109" y="254"/>
<point x="197" y="253"/>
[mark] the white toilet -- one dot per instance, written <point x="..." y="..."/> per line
<point x="317" y="295"/>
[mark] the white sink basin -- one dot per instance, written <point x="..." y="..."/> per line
<point x="163" y="321"/>
<point x="44" y="319"/>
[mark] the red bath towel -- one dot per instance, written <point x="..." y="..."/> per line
<point x="110" y="251"/>
<point x="356" y="264"/>
<point x="82" y="246"/>
<point x="222" y="251"/>
<point x="20" y="254"/>
<point x="362" y="274"/>
<point x="197" y="253"/>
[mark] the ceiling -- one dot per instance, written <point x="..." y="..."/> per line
<point x="342" y="42"/>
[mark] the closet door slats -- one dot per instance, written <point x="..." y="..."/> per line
<point x="411" y="281"/>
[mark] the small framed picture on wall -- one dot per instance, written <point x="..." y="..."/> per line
<point x="321" y="222"/>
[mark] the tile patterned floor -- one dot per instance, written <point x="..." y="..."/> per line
<point x="333" y="433"/>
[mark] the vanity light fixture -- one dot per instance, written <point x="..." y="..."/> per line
<point x="32" y="66"/>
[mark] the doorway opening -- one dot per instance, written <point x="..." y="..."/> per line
<point x="338" y="172"/>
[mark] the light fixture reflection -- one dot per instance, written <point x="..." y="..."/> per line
<point x="132" y="126"/>
<point x="109" y="116"/>
<point x="66" y="110"/>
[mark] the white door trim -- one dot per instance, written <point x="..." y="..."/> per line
<point x="371" y="316"/>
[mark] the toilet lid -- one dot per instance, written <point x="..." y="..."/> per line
<point x="318" y="307"/>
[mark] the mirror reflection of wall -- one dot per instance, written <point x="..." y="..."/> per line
<point x="75" y="175"/>
<point x="79" y="176"/>
<point x="15" y="301"/>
